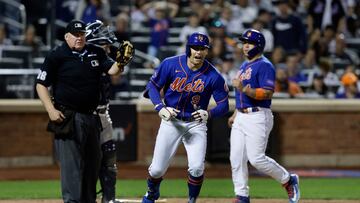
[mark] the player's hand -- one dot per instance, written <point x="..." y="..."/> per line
<point x="237" y="83"/>
<point x="231" y="121"/>
<point x="167" y="113"/>
<point x="56" y="116"/>
<point x="200" y="115"/>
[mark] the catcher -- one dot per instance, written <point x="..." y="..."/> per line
<point x="98" y="34"/>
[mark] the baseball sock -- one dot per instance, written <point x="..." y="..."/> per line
<point x="153" y="192"/>
<point x="194" y="185"/>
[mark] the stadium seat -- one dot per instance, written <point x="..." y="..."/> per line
<point x="10" y="62"/>
<point x="21" y="52"/>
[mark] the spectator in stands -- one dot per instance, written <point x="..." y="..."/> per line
<point x="192" y="26"/>
<point x="262" y="5"/>
<point x="245" y="11"/>
<point x="150" y="9"/>
<point x="32" y="40"/>
<point x="216" y="7"/>
<point x="4" y="41"/>
<point x="315" y="44"/>
<point x="228" y="70"/>
<point x="308" y="62"/>
<point x="65" y="10"/>
<point x="278" y="57"/>
<point x="350" y="87"/>
<point x="285" y="86"/>
<point x="322" y="13"/>
<point x="294" y="69"/>
<point x="233" y="26"/>
<point x="238" y="55"/>
<point x="288" y="30"/>
<point x="160" y="26"/>
<point x="138" y="16"/>
<point x="91" y="10"/>
<point x="330" y="78"/>
<point x="217" y="51"/>
<point x="342" y="53"/>
<point x="269" y="37"/>
<point x="122" y="26"/>
<point x="323" y="42"/>
<point x="265" y="17"/>
<point x="352" y="27"/>
<point x="203" y="10"/>
<point x="319" y="89"/>
<point x="218" y="30"/>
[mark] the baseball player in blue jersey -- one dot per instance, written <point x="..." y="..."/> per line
<point x="252" y="121"/>
<point x="188" y="81"/>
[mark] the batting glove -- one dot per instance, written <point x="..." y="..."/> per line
<point x="200" y="115"/>
<point x="167" y="113"/>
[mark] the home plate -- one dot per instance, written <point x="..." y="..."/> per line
<point x="137" y="200"/>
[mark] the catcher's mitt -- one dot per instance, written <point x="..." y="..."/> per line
<point x="125" y="53"/>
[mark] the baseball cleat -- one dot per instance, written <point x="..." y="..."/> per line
<point x="241" y="199"/>
<point x="146" y="200"/>
<point x="292" y="188"/>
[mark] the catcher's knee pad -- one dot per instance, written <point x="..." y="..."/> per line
<point x="109" y="146"/>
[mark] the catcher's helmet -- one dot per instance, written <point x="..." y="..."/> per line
<point x="99" y="34"/>
<point x="197" y="39"/>
<point x="256" y="38"/>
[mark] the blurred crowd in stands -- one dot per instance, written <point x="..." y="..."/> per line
<point x="314" y="44"/>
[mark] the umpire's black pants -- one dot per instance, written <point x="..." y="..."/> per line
<point x="79" y="157"/>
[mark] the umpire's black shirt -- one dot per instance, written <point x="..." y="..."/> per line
<point x="75" y="76"/>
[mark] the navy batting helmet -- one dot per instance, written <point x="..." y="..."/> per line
<point x="197" y="39"/>
<point x="99" y="34"/>
<point x="256" y="38"/>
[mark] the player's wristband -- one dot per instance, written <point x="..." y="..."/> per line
<point x="158" y="107"/>
<point x="259" y="93"/>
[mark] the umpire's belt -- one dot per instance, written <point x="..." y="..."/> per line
<point x="249" y="109"/>
<point x="101" y="110"/>
<point x="64" y="108"/>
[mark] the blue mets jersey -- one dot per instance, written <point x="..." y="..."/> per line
<point x="188" y="90"/>
<point x="259" y="74"/>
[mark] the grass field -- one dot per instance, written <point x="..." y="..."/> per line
<point x="311" y="188"/>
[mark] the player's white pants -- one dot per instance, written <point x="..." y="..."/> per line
<point x="248" y="140"/>
<point x="171" y="134"/>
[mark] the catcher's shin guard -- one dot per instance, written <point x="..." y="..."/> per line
<point x="153" y="192"/>
<point x="108" y="171"/>
<point x="194" y="185"/>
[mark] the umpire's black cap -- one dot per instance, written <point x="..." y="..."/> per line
<point x="75" y="26"/>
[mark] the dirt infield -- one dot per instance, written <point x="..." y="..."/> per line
<point x="202" y="200"/>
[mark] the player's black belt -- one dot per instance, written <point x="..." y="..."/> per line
<point x="249" y="109"/>
<point x="186" y="119"/>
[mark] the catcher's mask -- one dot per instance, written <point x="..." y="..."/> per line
<point x="197" y="39"/>
<point x="256" y="38"/>
<point x="99" y="34"/>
